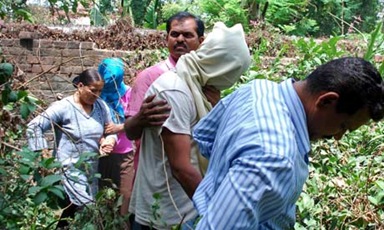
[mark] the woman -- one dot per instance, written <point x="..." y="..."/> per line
<point x="117" y="166"/>
<point x="78" y="122"/>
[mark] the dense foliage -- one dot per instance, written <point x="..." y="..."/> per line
<point x="295" y="17"/>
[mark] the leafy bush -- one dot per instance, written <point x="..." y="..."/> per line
<point x="28" y="190"/>
<point x="103" y="214"/>
<point x="228" y="11"/>
<point x="345" y="188"/>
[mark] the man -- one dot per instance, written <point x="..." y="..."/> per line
<point x="185" y="32"/>
<point x="258" y="138"/>
<point x="168" y="172"/>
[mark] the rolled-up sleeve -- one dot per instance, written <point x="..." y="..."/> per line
<point x="40" y="124"/>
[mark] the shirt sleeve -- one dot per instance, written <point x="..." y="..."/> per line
<point x="183" y="111"/>
<point x="138" y="91"/>
<point x="204" y="133"/>
<point x="251" y="192"/>
<point x="125" y="100"/>
<point x="108" y="117"/>
<point x="43" y="122"/>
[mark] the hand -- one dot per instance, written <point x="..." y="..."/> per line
<point x="106" y="146"/>
<point x="212" y="94"/>
<point x="153" y="113"/>
<point x="112" y="128"/>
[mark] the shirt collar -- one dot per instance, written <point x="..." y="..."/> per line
<point x="170" y="62"/>
<point x="299" y="118"/>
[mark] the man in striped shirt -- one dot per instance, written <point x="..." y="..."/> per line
<point x="258" y="138"/>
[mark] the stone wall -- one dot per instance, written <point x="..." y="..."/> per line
<point x="49" y="66"/>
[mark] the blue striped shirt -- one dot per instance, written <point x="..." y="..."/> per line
<point x="257" y="143"/>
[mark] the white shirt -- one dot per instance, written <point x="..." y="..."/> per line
<point x="151" y="179"/>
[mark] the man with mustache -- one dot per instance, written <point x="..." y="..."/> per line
<point x="185" y="32"/>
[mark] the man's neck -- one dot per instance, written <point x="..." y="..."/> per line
<point x="173" y="59"/>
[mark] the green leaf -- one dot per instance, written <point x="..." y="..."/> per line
<point x="150" y="17"/>
<point x="21" y="94"/>
<point x="32" y="99"/>
<point x="58" y="192"/>
<point x="65" y="8"/>
<point x="33" y="190"/>
<point x="46" y="162"/>
<point x="24" y="110"/>
<point x="28" y="155"/>
<point x="6" y="71"/>
<point x="2" y="171"/>
<point x="380" y="183"/>
<point x="156" y="196"/>
<point x="25" y="177"/>
<point x="12" y="96"/>
<point x="50" y="163"/>
<point x="84" y="157"/>
<point x="373" y="200"/>
<point x="31" y="107"/>
<point x="74" y="6"/>
<point x="40" y="198"/>
<point x="25" y="14"/>
<point x="370" y="51"/>
<point x="8" y="107"/>
<point x="50" y="180"/>
<point x="24" y="169"/>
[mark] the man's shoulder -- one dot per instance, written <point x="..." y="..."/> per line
<point x="159" y="67"/>
<point x="150" y="74"/>
<point x="170" y="81"/>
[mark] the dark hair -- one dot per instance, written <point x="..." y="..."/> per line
<point x="87" y="77"/>
<point x="181" y="16"/>
<point x="357" y="82"/>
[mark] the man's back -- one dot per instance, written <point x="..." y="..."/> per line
<point x="257" y="154"/>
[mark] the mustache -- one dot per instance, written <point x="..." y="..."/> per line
<point x="180" y="45"/>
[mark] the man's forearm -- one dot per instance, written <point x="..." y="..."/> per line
<point x="133" y="128"/>
<point x="189" y="178"/>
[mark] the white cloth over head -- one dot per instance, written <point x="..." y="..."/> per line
<point x="219" y="61"/>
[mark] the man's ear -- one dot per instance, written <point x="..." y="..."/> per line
<point x="201" y="39"/>
<point x="327" y="99"/>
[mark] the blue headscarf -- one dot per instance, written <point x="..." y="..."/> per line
<point x="112" y="71"/>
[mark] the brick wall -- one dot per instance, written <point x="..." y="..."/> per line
<point x="49" y="66"/>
